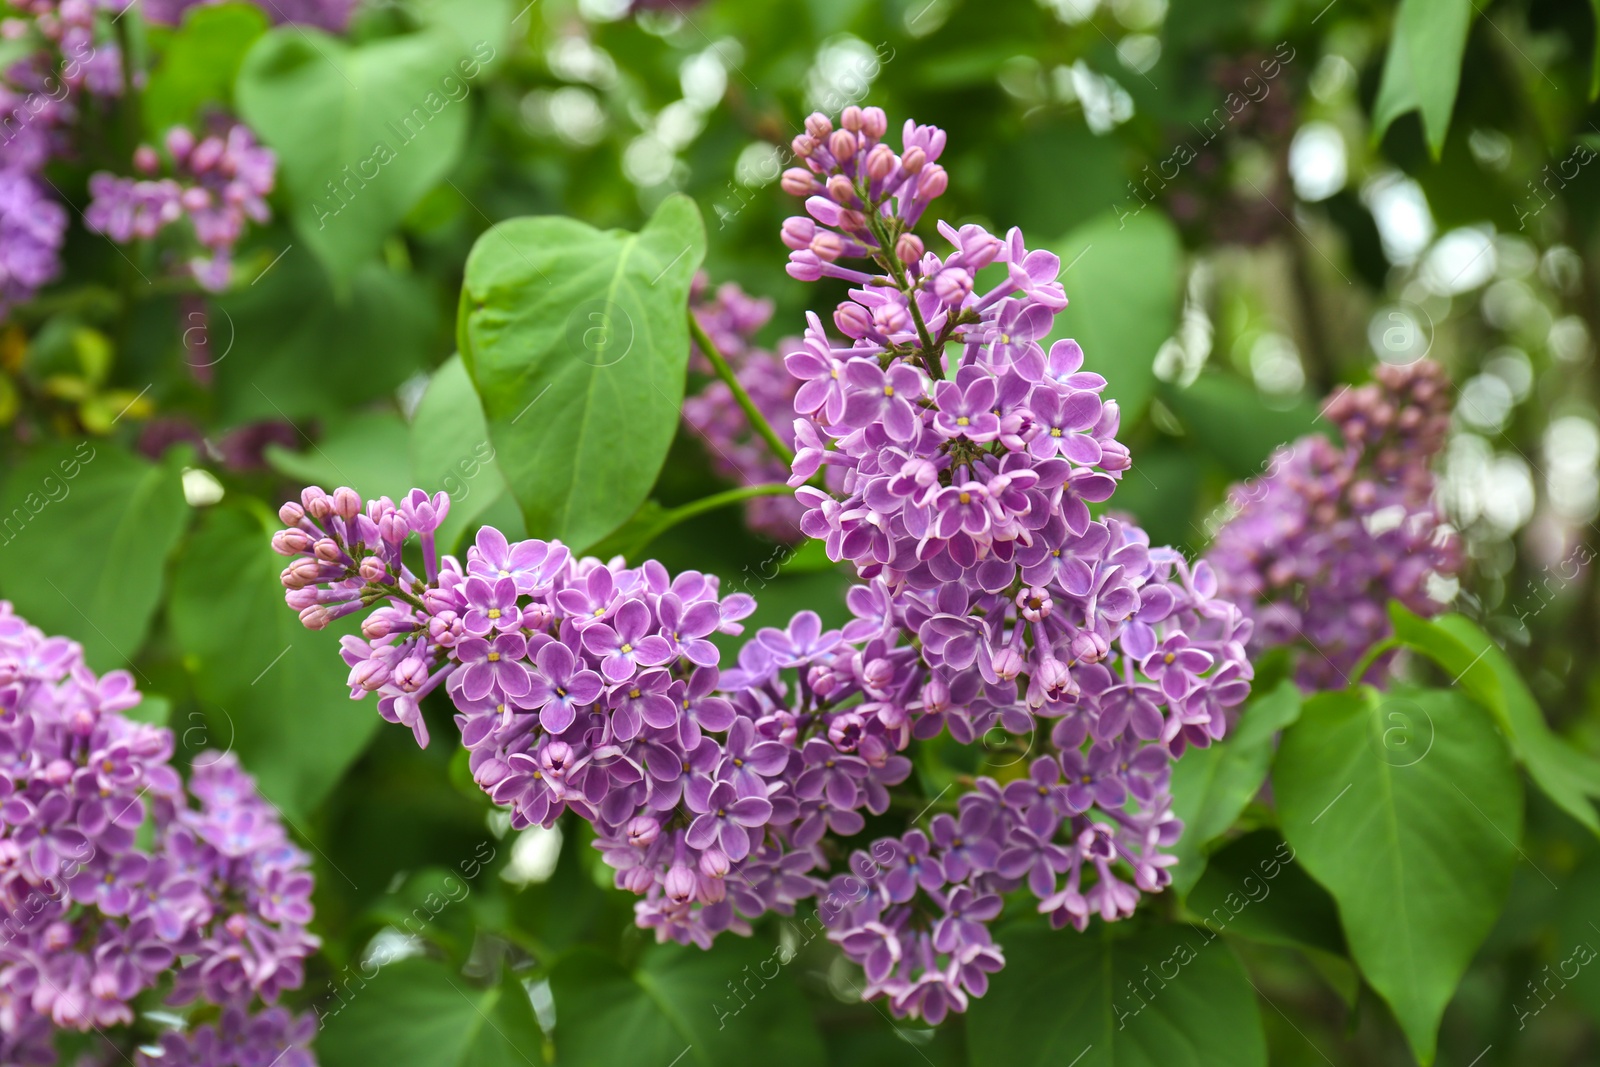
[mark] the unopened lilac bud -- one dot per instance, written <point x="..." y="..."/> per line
<point x="637" y="880"/>
<point x="346" y="502"/>
<point x="877" y="673"/>
<point x="1053" y="674"/>
<point x="58" y="936"/>
<point x="316" y="502"/>
<point x="850" y="118"/>
<point x="714" y="863"/>
<point x="875" y="750"/>
<point x="840" y="190"/>
<point x="1089" y="647"/>
<point x="642" y="831"/>
<point x="411" y="675"/>
<point x="304" y="571"/>
<point x="880" y="162"/>
<point x="537" y="616"/>
<point x="936" y="696"/>
<point x="1007" y="663"/>
<point x="327" y="550"/>
<point x="818" y="125"/>
<point x="843" y="145"/>
<point x="314" y="617"/>
<point x="797" y="232"/>
<point x="914" y="160"/>
<point x="909" y="248"/>
<point x="712" y="890"/>
<point x="852" y="319"/>
<point x="206" y="154"/>
<point x="822" y="679"/>
<point x="291" y="514"/>
<point x="827" y="245"/>
<point x="374" y="570"/>
<point x="59" y="771"/>
<point x="180" y="142"/>
<point x="291" y="542"/>
<point x="803" y="145"/>
<point x="145" y="160"/>
<point x="952" y="285"/>
<point x="680" y="884"/>
<point x="369" y="674"/>
<point x="797" y="181"/>
<point x="299" y="598"/>
<point x="874" y="123"/>
<point x="934" y="181"/>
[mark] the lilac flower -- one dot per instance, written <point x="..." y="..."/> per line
<point x="494" y="667"/>
<point x="210" y="890"/>
<point x="724" y="819"/>
<point x="1304" y="551"/>
<point x="558" y="688"/>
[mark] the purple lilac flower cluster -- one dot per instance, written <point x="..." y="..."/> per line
<point x="109" y="878"/>
<point x="731" y="319"/>
<point x="35" y="109"/>
<point x="968" y="455"/>
<point x="992" y="602"/>
<point x="221" y="182"/>
<point x="1318" y="546"/>
<point x="330" y="15"/>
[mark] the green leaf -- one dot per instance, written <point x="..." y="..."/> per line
<point x="1254" y="888"/>
<point x="362" y="132"/>
<point x="734" y="1004"/>
<point x="1373" y="795"/>
<point x="1422" y="70"/>
<point x="1171" y="995"/>
<point x="1122" y="278"/>
<point x="1566" y="775"/>
<point x="481" y="28"/>
<point x="577" y="342"/>
<point x="450" y="449"/>
<point x="1227" y="417"/>
<point x="365" y="450"/>
<point x="1212" y="786"/>
<point x="417" y="1013"/>
<point x="270" y="689"/>
<point x="1594" y="62"/>
<point x="85" y="531"/>
<point x="286" y="349"/>
<point x="198" y="64"/>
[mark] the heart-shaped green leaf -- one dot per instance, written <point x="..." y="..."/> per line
<point x="362" y="132"/>
<point x="577" y="340"/>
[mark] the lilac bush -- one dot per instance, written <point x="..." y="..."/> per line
<point x="992" y="602"/>
<point x="1319" y="545"/>
<point x="114" y="876"/>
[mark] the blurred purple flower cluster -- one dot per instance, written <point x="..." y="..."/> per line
<point x="221" y="182"/>
<point x="36" y="109"/>
<point x="330" y="15"/>
<point x="1318" y="546"/>
<point x="731" y="318"/>
<point x="109" y="877"/>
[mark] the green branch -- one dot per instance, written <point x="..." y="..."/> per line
<point x="758" y="421"/>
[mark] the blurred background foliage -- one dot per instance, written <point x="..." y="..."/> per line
<point x="1253" y="202"/>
